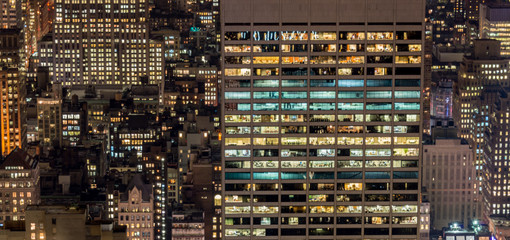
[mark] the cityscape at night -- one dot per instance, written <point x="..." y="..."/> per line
<point x="254" y="119"/>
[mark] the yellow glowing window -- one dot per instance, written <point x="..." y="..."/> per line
<point x="265" y="60"/>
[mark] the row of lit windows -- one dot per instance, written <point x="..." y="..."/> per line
<point x="238" y="48"/>
<point x="340" y="140"/>
<point x="314" y="220"/>
<point x="322" y="118"/>
<point x="350" y="106"/>
<point x="316" y="198"/>
<point x="321" y="94"/>
<point x="324" y="231"/>
<point x="320" y="71"/>
<point x="326" y="36"/>
<point x="322" y="60"/>
<point x="331" y="83"/>
<point x="324" y="129"/>
<point x="350" y="187"/>
<point x="323" y="164"/>
<point x="16" y="184"/>
<point x="322" y="209"/>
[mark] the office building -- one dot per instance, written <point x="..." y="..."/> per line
<point x="472" y="9"/>
<point x="13" y="126"/>
<point x="321" y="119"/>
<point x="19" y="185"/>
<point x="449" y="175"/>
<point x="104" y="44"/>
<point x="49" y="121"/>
<point x="154" y="166"/>
<point x="496" y="179"/>
<point x="440" y="14"/>
<point x="476" y="89"/>
<point x="11" y="14"/>
<point x="495" y="24"/>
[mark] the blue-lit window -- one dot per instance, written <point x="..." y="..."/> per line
<point x="265" y="176"/>
<point x="351" y="83"/>
<point x="407" y="82"/>
<point x="405" y="175"/>
<point x="237" y="107"/>
<point x="294" y="83"/>
<point x="322" y="94"/>
<point x="294" y="95"/>
<point x="293" y="175"/>
<point x="379" y="83"/>
<point x="350" y="175"/>
<point x="343" y="94"/>
<point x="377" y="175"/>
<point x="294" y="72"/>
<point x="407" y="94"/>
<point x="378" y="106"/>
<point x="294" y="106"/>
<point x="237" y="176"/>
<point x="322" y="83"/>
<point x="322" y="175"/>
<point x="379" y="94"/>
<point x="243" y="107"/>
<point x="407" y="106"/>
<point x="237" y="95"/>
<point x="265" y="107"/>
<point x="265" y="95"/>
<point x="350" y="106"/>
<point x="322" y="106"/>
<point x="266" y="36"/>
<point x="265" y="83"/>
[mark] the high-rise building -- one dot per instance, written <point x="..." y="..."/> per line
<point x="476" y="89"/>
<point x="449" y="175"/>
<point x="473" y="9"/>
<point x="99" y="43"/>
<point x="321" y="118"/>
<point x="495" y="175"/>
<point x="154" y="167"/>
<point x="12" y="92"/>
<point x="441" y="16"/>
<point x="49" y="121"/>
<point x="495" y="24"/>
<point x="11" y="14"/>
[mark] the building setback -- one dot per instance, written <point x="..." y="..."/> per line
<point x="321" y="118"/>
<point x="495" y="24"/>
